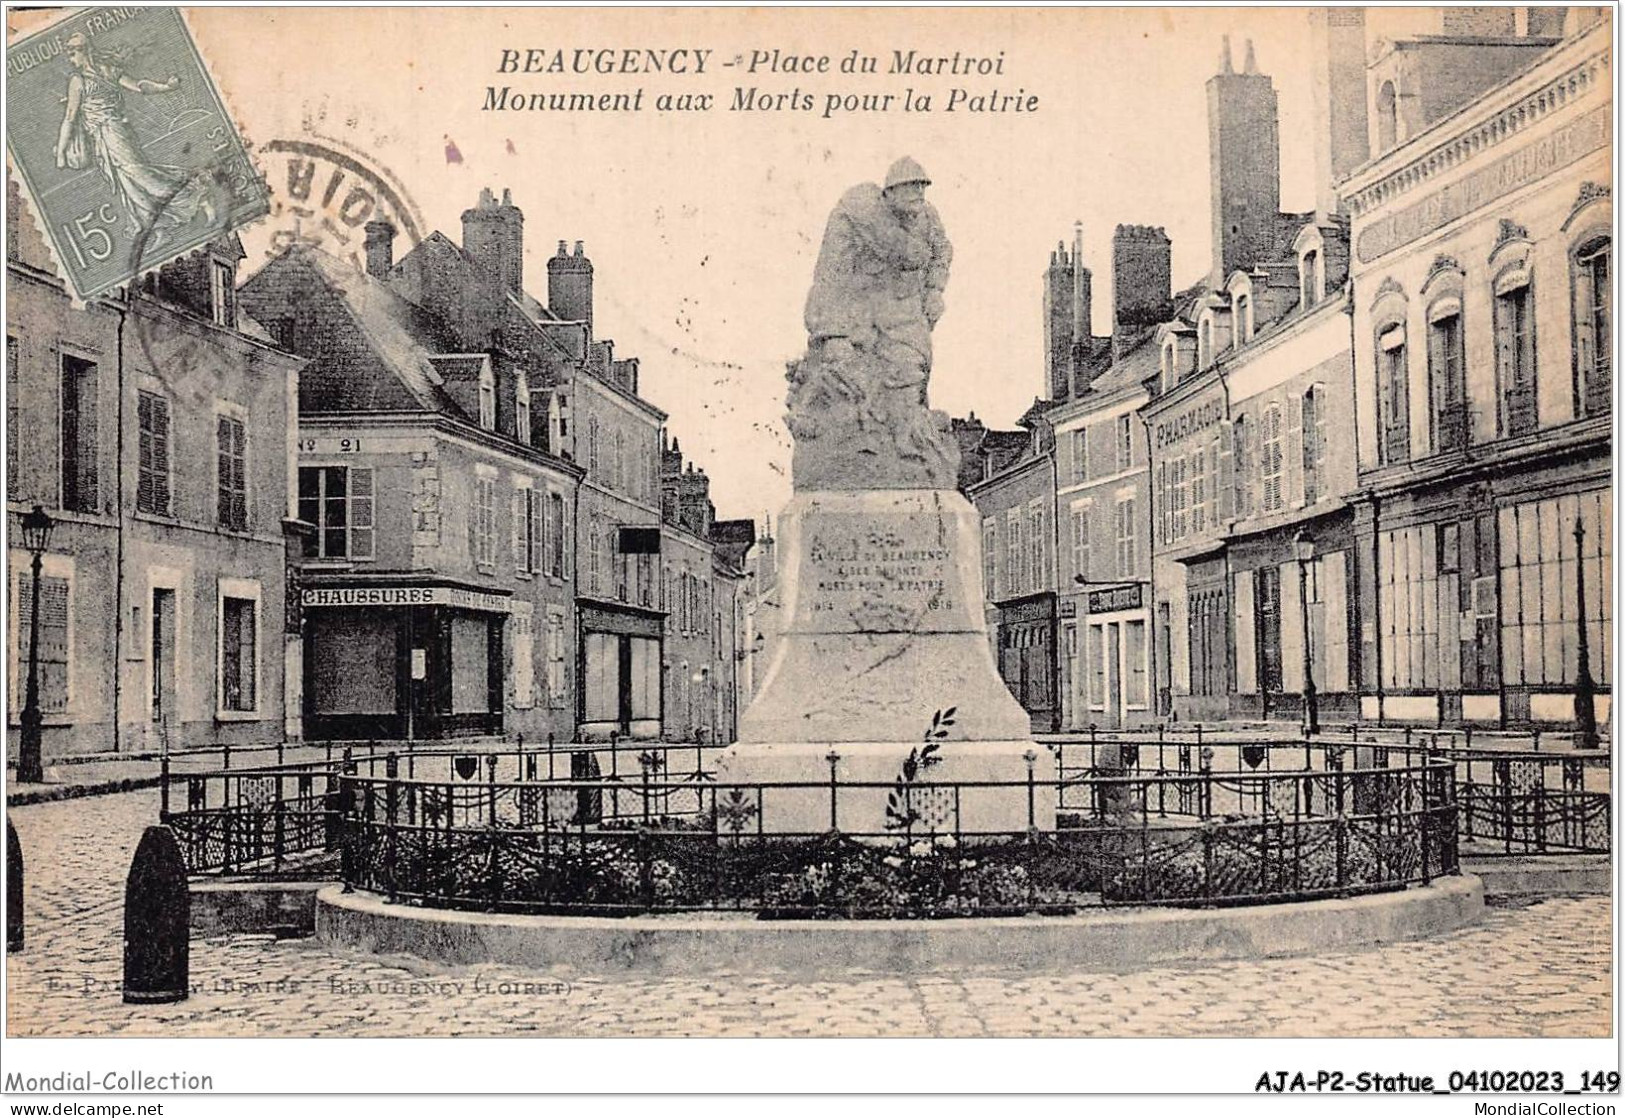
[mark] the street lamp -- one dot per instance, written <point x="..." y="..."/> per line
<point x="1304" y="548"/>
<point x="1585" y="688"/>
<point x="36" y="527"/>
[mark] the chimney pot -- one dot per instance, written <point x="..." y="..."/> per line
<point x="580" y="249"/>
<point x="562" y="249"/>
<point x="507" y="198"/>
<point x="1224" y="58"/>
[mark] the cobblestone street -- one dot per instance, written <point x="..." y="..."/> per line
<point x="1538" y="970"/>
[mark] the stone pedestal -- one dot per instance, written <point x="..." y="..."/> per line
<point x="885" y="641"/>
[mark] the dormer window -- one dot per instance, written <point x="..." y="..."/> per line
<point x="1387" y="117"/>
<point x="222" y="293"/>
<point x="1244" y="319"/>
<point x="488" y="405"/>
<point x="1169" y="363"/>
<point x="1311" y="279"/>
<point x="521" y="410"/>
<point x="1204" y="344"/>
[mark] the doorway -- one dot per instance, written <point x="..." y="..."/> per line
<point x="163" y="662"/>
<point x="1114" y="670"/>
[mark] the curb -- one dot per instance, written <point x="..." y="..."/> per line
<point x="79" y="791"/>
<point x="686" y="944"/>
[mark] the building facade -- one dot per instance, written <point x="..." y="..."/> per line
<point x="155" y="426"/>
<point x="1482" y="260"/>
<point x="437" y="581"/>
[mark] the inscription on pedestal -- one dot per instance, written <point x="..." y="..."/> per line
<point x="860" y="576"/>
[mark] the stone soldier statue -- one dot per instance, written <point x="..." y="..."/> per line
<point x="858" y="398"/>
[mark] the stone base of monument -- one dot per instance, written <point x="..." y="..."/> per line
<point x="883" y="649"/>
<point x="977" y="787"/>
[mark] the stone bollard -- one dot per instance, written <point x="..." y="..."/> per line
<point x="157" y="922"/>
<point x="14" y="890"/>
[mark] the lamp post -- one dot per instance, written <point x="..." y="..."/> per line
<point x="36" y="527"/>
<point x="1585" y="688"/>
<point x="1304" y="548"/>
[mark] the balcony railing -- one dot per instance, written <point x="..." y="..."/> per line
<point x="1451" y="427"/>
<point x="1518" y="409"/>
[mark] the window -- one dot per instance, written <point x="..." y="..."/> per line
<point x="1209" y="650"/>
<point x="152" y="486"/>
<point x="1515" y="358"/>
<point x="617" y="464"/>
<point x="1447" y="380"/>
<point x="529" y="512"/>
<point x="1387" y="117"/>
<point x="592" y="447"/>
<point x="557" y="684"/>
<point x="1394" y="397"/>
<point x="1125" y="442"/>
<point x="557" y="528"/>
<point x="1012" y="551"/>
<point x="989" y="558"/>
<point x="1180" y="482"/>
<point x="1539" y="570"/>
<point x="1205" y="344"/>
<point x="338" y="501"/>
<point x="79" y="442"/>
<point x="1198" y="468"/>
<point x="521" y="411"/>
<point x="1271" y="460"/>
<point x="1035" y="545"/>
<point x="1080" y="454"/>
<point x="231" y="443"/>
<point x="488" y="405"/>
<point x="222" y="294"/>
<point x="1419" y="607"/>
<point x="1309" y="278"/>
<point x="1314" y="443"/>
<point x="1242" y="468"/>
<point x="1593" y="319"/>
<point x="1126" y="553"/>
<point x="13" y="486"/>
<point x="522" y="628"/>
<point x="1080" y="542"/>
<point x="1244" y="320"/>
<point x="54" y="619"/>
<point x="484" y="521"/>
<point x="238" y="662"/>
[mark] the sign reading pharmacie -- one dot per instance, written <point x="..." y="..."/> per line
<point x="388" y="596"/>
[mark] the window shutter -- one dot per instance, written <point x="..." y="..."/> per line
<point x="223" y="470"/>
<point x="361" y="533"/>
<point x="516" y="533"/>
<point x="160" y="453"/>
<point x="1308" y="426"/>
<point x="1505" y="358"/>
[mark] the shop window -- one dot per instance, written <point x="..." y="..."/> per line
<point x="231" y="476"/>
<point x="1539" y="570"/>
<point x="239" y="660"/>
<point x="338" y="500"/>
<point x="80" y="443"/>
<point x="1592" y="300"/>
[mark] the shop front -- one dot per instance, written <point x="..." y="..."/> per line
<point x="1027" y="657"/>
<point x="1116" y="658"/>
<point x="419" y="661"/>
<point x="620" y="671"/>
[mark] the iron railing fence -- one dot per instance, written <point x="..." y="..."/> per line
<point x="277" y="819"/>
<point x="526" y="847"/>
<point x="1522" y="803"/>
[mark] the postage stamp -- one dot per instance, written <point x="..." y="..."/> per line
<point x="123" y="144"/>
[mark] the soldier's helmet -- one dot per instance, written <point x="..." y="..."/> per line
<point x="905" y="170"/>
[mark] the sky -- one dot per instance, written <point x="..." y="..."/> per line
<point x="703" y="227"/>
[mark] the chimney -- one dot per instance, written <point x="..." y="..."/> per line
<point x="380" y="245"/>
<point x="1485" y="21"/>
<point x="1244" y="151"/>
<point x="569" y="285"/>
<point x="1059" y="280"/>
<point x="494" y="235"/>
<point x="1142" y="278"/>
<point x="1338" y="82"/>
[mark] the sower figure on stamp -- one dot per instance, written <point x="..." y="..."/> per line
<point x="95" y="128"/>
<point x="858" y="399"/>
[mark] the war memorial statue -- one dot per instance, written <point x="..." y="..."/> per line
<point x="881" y="634"/>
